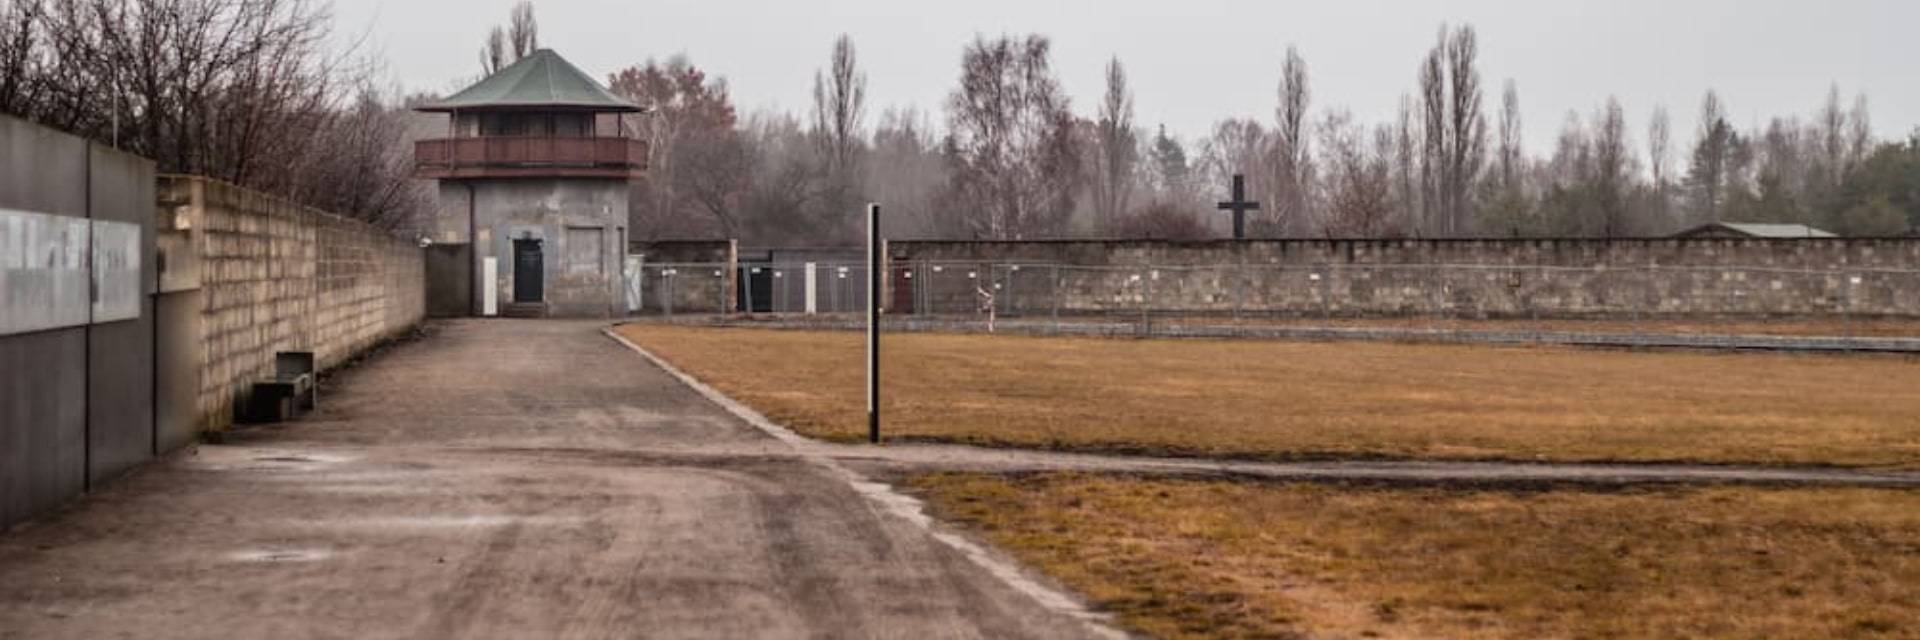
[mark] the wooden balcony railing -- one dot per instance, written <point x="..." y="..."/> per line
<point x="529" y="157"/>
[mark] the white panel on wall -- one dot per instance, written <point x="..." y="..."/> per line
<point x="43" y="271"/>
<point x="116" y="269"/>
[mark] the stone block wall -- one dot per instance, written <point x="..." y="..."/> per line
<point x="1469" y="278"/>
<point x="274" y="276"/>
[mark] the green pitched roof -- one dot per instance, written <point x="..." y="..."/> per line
<point x="543" y="79"/>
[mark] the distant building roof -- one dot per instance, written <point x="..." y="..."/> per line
<point x="1754" y="230"/>
<point x="542" y="80"/>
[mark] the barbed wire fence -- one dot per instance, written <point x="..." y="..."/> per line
<point x="1387" y="299"/>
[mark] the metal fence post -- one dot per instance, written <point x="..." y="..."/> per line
<point x="1847" y="286"/>
<point x="666" y="275"/>
<point x="1056" y="299"/>
<point x="1146" y="298"/>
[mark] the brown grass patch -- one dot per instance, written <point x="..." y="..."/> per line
<point x="1207" y="559"/>
<point x="1295" y="400"/>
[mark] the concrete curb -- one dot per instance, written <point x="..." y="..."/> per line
<point x="887" y="501"/>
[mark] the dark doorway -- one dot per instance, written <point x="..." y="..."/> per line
<point x="755" y="294"/>
<point x="902" y="291"/>
<point x="450" y="281"/>
<point x="529" y="273"/>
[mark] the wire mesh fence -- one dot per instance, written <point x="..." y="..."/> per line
<point x="1169" y="299"/>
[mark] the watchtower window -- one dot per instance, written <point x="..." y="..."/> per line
<point x="558" y="125"/>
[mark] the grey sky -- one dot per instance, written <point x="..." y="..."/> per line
<point x="1193" y="62"/>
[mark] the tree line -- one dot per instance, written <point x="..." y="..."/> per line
<point x="1015" y="161"/>
<point x="248" y="91"/>
<point x="254" y="92"/>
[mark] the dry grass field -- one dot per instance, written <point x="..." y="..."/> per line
<point x="1218" y="559"/>
<point x="1285" y="400"/>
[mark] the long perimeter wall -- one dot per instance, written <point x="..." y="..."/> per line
<point x="266" y="275"/>
<point x="1480" y="278"/>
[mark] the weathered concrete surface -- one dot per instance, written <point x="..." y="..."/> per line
<point x="507" y="479"/>
<point x="1470" y="278"/>
<point x="581" y="224"/>
<point x="1308" y="331"/>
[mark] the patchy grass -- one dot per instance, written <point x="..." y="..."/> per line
<point x="1207" y="559"/>
<point x="1322" y="400"/>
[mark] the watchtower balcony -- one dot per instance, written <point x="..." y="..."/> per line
<point x="535" y="156"/>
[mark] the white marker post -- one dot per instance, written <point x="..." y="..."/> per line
<point x="873" y="323"/>
<point x="490" y="286"/>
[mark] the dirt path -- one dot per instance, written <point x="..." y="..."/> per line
<point x="899" y="458"/>
<point x="509" y="479"/>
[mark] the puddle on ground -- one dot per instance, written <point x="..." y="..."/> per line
<point x="242" y="458"/>
<point x="435" y="522"/>
<point x="276" y="556"/>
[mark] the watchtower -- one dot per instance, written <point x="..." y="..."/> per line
<point x="533" y="184"/>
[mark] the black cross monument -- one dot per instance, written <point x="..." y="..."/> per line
<point x="1239" y="206"/>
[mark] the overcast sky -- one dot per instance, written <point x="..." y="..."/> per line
<point x="1194" y="62"/>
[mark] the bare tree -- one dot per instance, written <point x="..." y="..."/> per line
<point x="523" y="32"/>
<point x="1292" y="167"/>
<point x="1456" y="136"/>
<point x="1831" y="122"/>
<point x="1505" y="207"/>
<point x="1510" y="155"/>
<point x="1859" y="132"/>
<point x="906" y="172"/>
<point x="1611" y="159"/>
<point x="690" y="126"/>
<point x="839" y="111"/>
<point x="1010" y="142"/>
<point x="839" y="106"/>
<point x="19" y="42"/>
<point x="1466" y="138"/>
<point x="1711" y="172"/>
<point x="1407" y="185"/>
<point x="1359" y="177"/>
<point x="495" y="54"/>
<point x="1659" y="136"/>
<point x="1116" y="151"/>
<point x="246" y="91"/>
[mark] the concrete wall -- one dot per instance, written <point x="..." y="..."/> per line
<point x="75" y="316"/>
<point x="1489" y="278"/>
<point x="274" y="276"/>
<point x="120" y="368"/>
<point x="581" y="225"/>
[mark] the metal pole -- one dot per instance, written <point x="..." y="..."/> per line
<point x="1056" y="299"/>
<point x="873" y="323"/>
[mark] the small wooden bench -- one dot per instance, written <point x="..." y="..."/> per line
<point x="289" y="393"/>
